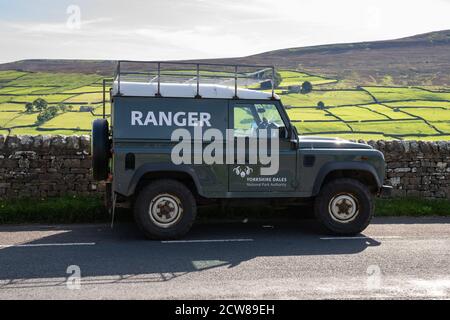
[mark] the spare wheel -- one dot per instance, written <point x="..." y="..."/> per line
<point x="100" y="149"/>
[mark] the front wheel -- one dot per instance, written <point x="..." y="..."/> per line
<point x="165" y="209"/>
<point x="344" y="206"/>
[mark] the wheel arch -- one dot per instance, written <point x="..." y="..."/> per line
<point x="149" y="172"/>
<point x="360" y="171"/>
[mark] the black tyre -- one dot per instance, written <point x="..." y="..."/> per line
<point x="344" y="206"/>
<point x="100" y="149"/>
<point x="165" y="209"/>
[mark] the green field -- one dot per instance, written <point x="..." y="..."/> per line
<point x="60" y="80"/>
<point x="356" y="114"/>
<point x="85" y="89"/>
<point x="12" y="107"/>
<point x="329" y="98"/>
<point x="307" y="114"/>
<point x="72" y="120"/>
<point x="350" y="112"/>
<point x="420" y="103"/>
<point x="50" y="98"/>
<point x="409" y="127"/>
<point x="390" y="113"/>
<point x="308" y="128"/>
<point x="10" y="75"/>
<point x="22" y="90"/>
<point x="294" y="78"/>
<point x="383" y="94"/>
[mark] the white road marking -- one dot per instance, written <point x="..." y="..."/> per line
<point x="359" y="238"/>
<point x="48" y="244"/>
<point x="206" y="240"/>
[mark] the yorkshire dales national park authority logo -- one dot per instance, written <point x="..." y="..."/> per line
<point x="242" y="171"/>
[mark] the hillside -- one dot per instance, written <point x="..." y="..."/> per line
<point x="67" y="103"/>
<point x="418" y="60"/>
<point x="102" y="67"/>
<point x="396" y="89"/>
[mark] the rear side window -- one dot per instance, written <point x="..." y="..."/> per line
<point x="245" y="121"/>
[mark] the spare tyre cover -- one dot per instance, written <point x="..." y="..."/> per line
<point x="100" y="149"/>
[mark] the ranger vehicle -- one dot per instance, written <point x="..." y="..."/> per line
<point x="134" y="154"/>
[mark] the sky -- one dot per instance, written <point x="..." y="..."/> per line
<point x="197" y="29"/>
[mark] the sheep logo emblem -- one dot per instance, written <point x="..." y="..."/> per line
<point x="242" y="171"/>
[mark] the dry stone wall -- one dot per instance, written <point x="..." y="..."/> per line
<point x="49" y="166"/>
<point x="417" y="168"/>
<point x="45" y="166"/>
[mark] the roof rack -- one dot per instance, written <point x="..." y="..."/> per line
<point x="170" y="71"/>
<point x="105" y="82"/>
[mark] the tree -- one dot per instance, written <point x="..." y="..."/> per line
<point x="52" y="111"/>
<point x="47" y="114"/>
<point x="306" y="87"/>
<point x="40" y="118"/>
<point x="40" y="104"/>
<point x="62" y="107"/>
<point x="321" y="105"/>
<point x="29" y="107"/>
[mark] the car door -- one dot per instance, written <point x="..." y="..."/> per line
<point x="247" y="121"/>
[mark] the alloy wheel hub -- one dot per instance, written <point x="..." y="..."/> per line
<point x="343" y="208"/>
<point x="165" y="210"/>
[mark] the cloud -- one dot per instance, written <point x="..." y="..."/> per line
<point x="208" y="28"/>
<point x="47" y="29"/>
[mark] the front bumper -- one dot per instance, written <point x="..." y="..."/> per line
<point x="385" y="191"/>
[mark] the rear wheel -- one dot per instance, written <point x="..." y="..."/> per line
<point x="344" y="206"/>
<point x="165" y="209"/>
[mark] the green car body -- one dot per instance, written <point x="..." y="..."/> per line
<point x="135" y="155"/>
<point x="305" y="162"/>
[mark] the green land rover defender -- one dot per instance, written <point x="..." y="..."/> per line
<point x="182" y="135"/>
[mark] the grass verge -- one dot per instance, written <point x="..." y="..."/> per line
<point x="415" y="207"/>
<point x="53" y="210"/>
<point x="90" y="209"/>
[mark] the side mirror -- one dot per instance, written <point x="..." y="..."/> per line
<point x="294" y="137"/>
<point x="283" y="132"/>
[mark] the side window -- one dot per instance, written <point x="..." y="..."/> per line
<point x="245" y="123"/>
<point x="249" y="118"/>
<point x="270" y="114"/>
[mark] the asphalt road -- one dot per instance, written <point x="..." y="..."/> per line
<point x="393" y="258"/>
